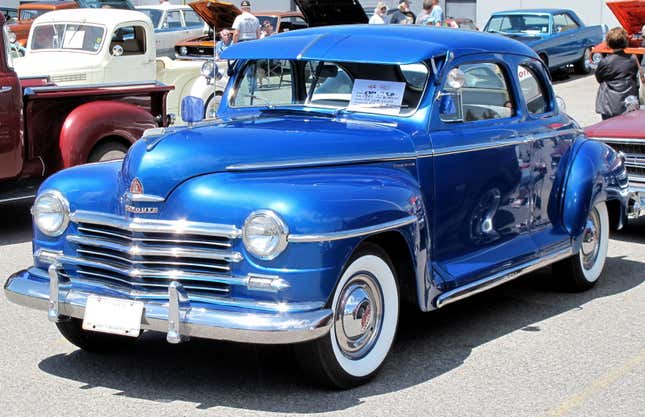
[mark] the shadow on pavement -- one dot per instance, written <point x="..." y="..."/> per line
<point x="633" y="232"/>
<point x="559" y="77"/>
<point x="211" y="374"/>
<point x="15" y="223"/>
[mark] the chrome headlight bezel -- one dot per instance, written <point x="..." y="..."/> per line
<point x="11" y="36"/>
<point x="596" y="57"/>
<point x="57" y="205"/>
<point x="208" y="69"/>
<point x="277" y="230"/>
<point x="183" y="50"/>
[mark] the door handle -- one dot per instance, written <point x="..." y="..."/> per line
<point x="5" y="89"/>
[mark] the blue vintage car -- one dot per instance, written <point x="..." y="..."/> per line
<point x="558" y="36"/>
<point x="357" y="178"/>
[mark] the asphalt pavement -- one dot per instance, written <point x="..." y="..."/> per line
<point x="523" y="349"/>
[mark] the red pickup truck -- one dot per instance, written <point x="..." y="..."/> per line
<point x="45" y="128"/>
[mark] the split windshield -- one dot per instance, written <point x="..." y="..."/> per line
<point x="68" y="36"/>
<point x="519" y="24"/>
<point x="351" y="86"/>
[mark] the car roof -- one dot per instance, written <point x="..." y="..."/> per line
<point x="378" y="44"/>
<point x="109" y="17"/>
<point x="533" y="11"/>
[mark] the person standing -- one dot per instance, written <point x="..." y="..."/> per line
<point x="436" y="14"/>
<point x="424" y="16"/>
<point x="403" y="15"/>
<point x="246" y="27"/>
<point x="226" y="39"/>
<point x="378" y="18"/>
<point x="617" y="74"/>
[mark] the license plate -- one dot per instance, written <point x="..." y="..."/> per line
<point x="113" y="315"/>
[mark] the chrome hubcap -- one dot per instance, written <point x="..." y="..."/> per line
<point x="359" y="315"/>
<point x="587" y="59"/>
<point x="591" y="240"/>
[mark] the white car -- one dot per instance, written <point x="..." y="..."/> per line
<point x="92" y="46"/>
<point x="173" y="23"/>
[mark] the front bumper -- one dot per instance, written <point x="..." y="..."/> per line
<point x="176" y="317"/>
<point x="636" y="205"/>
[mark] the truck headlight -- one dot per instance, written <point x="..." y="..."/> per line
<point x="51" y="213"/>
<point x="208" y="69"/>
<point x="596" y="58"/>
<point x="183" y="50"/>
<point x="265" y="234"/>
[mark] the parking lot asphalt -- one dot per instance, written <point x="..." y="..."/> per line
<point x="523" y="349"/>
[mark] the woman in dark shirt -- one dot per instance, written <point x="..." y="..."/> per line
<point x="617" y="74"/>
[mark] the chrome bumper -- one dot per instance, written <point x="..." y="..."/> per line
<point x="176" y="317"/>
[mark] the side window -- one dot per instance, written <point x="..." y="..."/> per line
<point x="173" y="20"/>
<point x="475" y="92"/>
<point x="192" y="19"/>
<point x="571" y="24"/>
<point x="533" y="90"/>
<point x="562" y="23"/>
<point x="131" y="39"/>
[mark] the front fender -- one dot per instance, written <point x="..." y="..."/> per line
<point x="595" y="174"/>
<point x="87" y="124"/>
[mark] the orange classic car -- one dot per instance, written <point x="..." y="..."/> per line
<point x="27" y="12"/>
<point x="631" y="15"/>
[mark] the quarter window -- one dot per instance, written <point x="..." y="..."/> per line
<point x="532" y="90"/>
<point x="483" y="94"/>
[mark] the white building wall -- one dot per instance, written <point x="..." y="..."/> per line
<point x="259" y="5"/>
<point x="592" y="12"/>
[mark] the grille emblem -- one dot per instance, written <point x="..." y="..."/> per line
<point x="136" y="187"/>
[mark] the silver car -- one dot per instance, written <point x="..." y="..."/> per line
<point x="173" y="23"/>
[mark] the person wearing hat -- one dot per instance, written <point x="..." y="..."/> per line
<point x="403" y="15"/>
<point x="246" y="27"/>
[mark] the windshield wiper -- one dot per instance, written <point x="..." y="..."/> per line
<point x="368" y="106"/>
<point x="316" y="113"/>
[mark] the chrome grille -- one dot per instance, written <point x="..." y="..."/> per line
<point x="634" y="150"/>
<point x="149" y="254"/>
<point x="69" y="77"/>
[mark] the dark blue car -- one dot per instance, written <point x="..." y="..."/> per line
<point x="558" y="36"/>
<point x="355" y="179"/>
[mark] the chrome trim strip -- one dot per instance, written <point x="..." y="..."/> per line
<point x="347" y="234"/>
<point x="143" y="225"/>
<point x="632" y="141"/>
<point x="500" y="278"/>
<point x="152" y="239"/>
<point x="22" y="197"/>
<point x="138" y="284"/>
<point x="144" y="198"/>
<point x="167" y="263"/>
<point x="283" y="323"/>
<point x="175" y="252"/>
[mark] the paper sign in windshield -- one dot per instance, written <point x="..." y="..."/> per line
<point x="378" y="96"/>
<point x="74" y="39"/>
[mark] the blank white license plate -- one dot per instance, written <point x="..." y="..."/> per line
<point x="113" y="315"/>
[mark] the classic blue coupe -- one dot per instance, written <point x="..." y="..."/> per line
<point x="558" y="36"/>
<point x="357" y="178"/>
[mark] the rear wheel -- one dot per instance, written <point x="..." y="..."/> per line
<point x="366" y="313"/>
<point x="72" y="330"/>
<point x="108" y="151"/>
<point x="584" y="65"/>
<point x="581" y="272"/>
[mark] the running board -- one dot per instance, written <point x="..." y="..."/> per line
<point x="500" y="278"/>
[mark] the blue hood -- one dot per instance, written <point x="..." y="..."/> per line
<point x="162" y="163"/>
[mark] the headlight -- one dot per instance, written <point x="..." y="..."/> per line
<point x="265" y="234"/>
<point x="183" y="50"/>
<point x="11" y="36"/>
<point x="51" y="213"/>
<point x="208" y="69"/>
<point x="596" y="57"/>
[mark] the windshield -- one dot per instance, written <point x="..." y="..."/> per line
<point x="98" y="4"/>
<point x="519" y="24"/>
<point x="68" y="36"/>
<point x="30" y="14"/>
<point x="153" y="14"/>
<point x="347" y="86"/>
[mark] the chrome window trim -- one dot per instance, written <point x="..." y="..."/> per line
<point x="347" y="234"/>
<point x="633" y="141"/>
<point x="144" y="198"/>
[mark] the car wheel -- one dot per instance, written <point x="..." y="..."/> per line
<point x="581" y="272"/>
<point x="210" y="109"/>
<point x="584" y="65"/>
<point x="108" y="151"/>
<point x="72" y="330"/>
<point x="366" y="314"/>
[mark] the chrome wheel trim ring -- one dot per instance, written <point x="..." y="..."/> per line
<point x="359" y="315"/>
<point x="587" y="60"/>
<point x="591" y="240"/>
<point x="213" y="106"/>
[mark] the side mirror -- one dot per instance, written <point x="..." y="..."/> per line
<point x="562" y="106"/>
<point x="192" y="110"/>
<point x="117" y="50"/>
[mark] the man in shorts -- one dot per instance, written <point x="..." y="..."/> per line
<point x="246" y="27"/>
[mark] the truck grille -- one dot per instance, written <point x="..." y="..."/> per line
<point x="634" y="150"/>
<point x="149" y="254"/>
<point x="67" y="78"/>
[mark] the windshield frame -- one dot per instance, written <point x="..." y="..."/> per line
<point x="80" y="51"/>
<point x="328" y="109"/>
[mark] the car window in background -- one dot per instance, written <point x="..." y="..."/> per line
<point x="67" y="36"/>
<point x="273" y="20"/>
<point x="173" y="20"/>
<point x="31" y="14"/>
<point x="533" y="91"/>
<point x="520" y="24"/>
<point x="192" y="19"/>
<point x="292" y="23"/>
<point x="153" y="14"/>
<point x="562" y="23"/>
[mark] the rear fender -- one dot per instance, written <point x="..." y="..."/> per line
<point x="91" y="122"/>
<point x="595" y="174"/>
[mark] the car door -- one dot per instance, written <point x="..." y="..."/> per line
<point x="131" y="52"/>
<point x="564" y="30"/>
<point x="482" y="183"/>
<point x="172" y="31"/>
<point x="11" y="145"/>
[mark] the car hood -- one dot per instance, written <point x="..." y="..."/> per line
<point x="217" y="14"/>
<point x="630" y="14"/>
<point x="331" y="12"/>
<point x="260" y="143"/>
<point x="630" y="125"/>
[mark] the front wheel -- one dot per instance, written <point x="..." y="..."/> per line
<point x="584" y="65"/>
<point x="366" y="313"/>
<point x="108" y="151"/>
<point x="581" y="272"/>
<point x="72" y="330"/>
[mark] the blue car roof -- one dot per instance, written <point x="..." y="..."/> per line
<point x="375" y="44"/>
